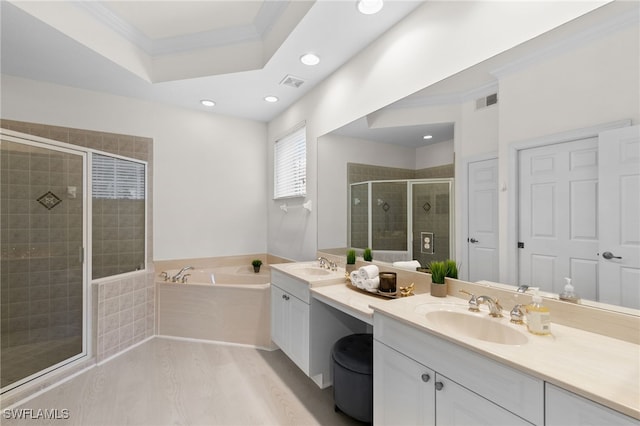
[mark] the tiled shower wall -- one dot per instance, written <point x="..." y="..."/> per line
<point x="390" y="222"/>
<point x="41" y="273"/>
<point x="128" y="288"/>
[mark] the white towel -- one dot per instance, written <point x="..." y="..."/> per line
<point x="356" y="280"/>
<point x="411" y="265"/>
<point x="368" y="272"/>
<point x="372" y="284"/>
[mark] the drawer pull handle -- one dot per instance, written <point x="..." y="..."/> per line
<point x="425" y="377"/>
<point x="439" y="385"/>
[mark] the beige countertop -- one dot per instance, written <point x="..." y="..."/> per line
<point x="597" y="367"/>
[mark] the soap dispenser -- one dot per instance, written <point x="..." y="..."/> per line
<point x="538" y="316"/>
<point x="569" y="294"/>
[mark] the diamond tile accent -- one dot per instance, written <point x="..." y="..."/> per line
<point x="49" y="200"/>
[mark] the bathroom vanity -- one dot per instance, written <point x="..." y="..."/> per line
<point x="437" y="363"/>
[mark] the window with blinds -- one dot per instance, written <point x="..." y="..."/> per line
<point x="290" y="165"/>
<point x="118" y="216"/>
<point x="115" y="178"/>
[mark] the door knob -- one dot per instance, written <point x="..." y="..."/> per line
<point x="473" y="240"/>
<point x="608" y="255"/>
<point x="439" y="385"/>
<point x="425" y="377"/>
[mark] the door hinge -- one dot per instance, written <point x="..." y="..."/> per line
<point x="520" y="244"/>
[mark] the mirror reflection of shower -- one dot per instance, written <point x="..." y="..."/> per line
<point x="403" y="219"/>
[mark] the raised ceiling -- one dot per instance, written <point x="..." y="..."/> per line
<point x="179" y="52"/>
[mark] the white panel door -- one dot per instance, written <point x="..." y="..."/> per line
<point x="558" y="208"/>
<point x="620" y="216"/>
<point x="482" y="241"/>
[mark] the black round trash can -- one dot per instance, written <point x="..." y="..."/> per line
<point x="352" y="359"/>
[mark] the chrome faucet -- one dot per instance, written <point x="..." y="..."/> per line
<point x="495" y="310"/>
<point x="517" y="314"/>
<point x="474" y="306"/>
<point x="178" y="276"/>
<point x="324" y="262"/>
<point x="523" y="288"/>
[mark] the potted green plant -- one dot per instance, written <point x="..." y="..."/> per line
<point x="367" y="255"/>
<point x="440" y="270"/>
<point x="351" y="260"/>
<point x="256" y="265"/>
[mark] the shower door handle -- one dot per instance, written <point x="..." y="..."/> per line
<point x="473" y="240"/>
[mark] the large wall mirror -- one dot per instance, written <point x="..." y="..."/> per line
<point x="532" y="134"/>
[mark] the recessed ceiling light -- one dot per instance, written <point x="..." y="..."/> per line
<point x="427" y="137"/>
<point x="207" y="103"/>
<point x="310" y="59"/>
<point x="369" y="7"/>
<point x="271" y="99"/>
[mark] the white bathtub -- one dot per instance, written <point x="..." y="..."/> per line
<point x="236" y="309"/>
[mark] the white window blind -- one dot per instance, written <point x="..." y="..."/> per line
<point x="114" y="178"/>
<point x="290" y="165"/>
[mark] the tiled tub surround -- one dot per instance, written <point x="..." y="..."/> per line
<point x="125" y="312"/>
<point x="236" y="309"/>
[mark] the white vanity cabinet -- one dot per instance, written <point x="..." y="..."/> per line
<point x="290" y="317"/>
<point x="564" y="408"/>
<point x="463" y="387"/>
<point x="409" y="393"/>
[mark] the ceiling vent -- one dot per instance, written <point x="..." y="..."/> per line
<point x="487" y="101"/>
<point x="292" y="81"/>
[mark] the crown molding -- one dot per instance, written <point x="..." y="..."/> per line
<point x="267" y="16"/>
<point x="602" y="29"/>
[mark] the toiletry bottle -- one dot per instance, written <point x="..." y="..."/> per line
<point x="538" y="316"/>
<point x="568" y="294"/>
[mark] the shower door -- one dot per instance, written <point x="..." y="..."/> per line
<point x="42" y="271"/>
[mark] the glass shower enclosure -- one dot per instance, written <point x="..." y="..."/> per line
<point x="403" y="219"/>
<point x="42" y="270"/>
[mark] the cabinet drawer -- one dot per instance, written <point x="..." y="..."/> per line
<point x="507" y="387"/>
<point x="295" y="287"/>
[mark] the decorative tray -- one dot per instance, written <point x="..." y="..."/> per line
<point x="388" y="295"/>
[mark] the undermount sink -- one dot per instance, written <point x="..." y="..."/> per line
<point x="476" y="326"/>
<point x="310" y="270"/>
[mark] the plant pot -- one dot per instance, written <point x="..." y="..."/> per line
<point x="256" y="269"/>
<point x="438" y="290"/>
<point x="350" y="267"/>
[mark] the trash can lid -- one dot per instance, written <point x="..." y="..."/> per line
<point x="355" y="353"/>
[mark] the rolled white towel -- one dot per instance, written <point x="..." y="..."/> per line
<point x="368" y="272"/>
<point x="356" y="280"/>
<point x="411" y="265"/>
<point x="372" y="284"/>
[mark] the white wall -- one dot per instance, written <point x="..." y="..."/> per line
<point x="209" y="183"/>
<point x="334" y="152"/>
<point x="437" y="154"/>
<point x="590" y="85"/>
<point x="437" y="40"/>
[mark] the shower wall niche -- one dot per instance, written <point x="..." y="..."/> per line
<point x="403" y="219"/>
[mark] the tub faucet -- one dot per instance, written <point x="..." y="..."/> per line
<point x="523" y="288"/>
<point x="495" y="310"/>
<point x="178" y="276"/>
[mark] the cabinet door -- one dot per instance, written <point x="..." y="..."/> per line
<point x="456" y="405"/>
<point x="279" y="318"/>
<point x="298" y="326"/>
<point x="563" y="408"/>
<point x="403" y="390"/>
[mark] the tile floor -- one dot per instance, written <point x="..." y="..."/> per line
<point x="174" y="382"/>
